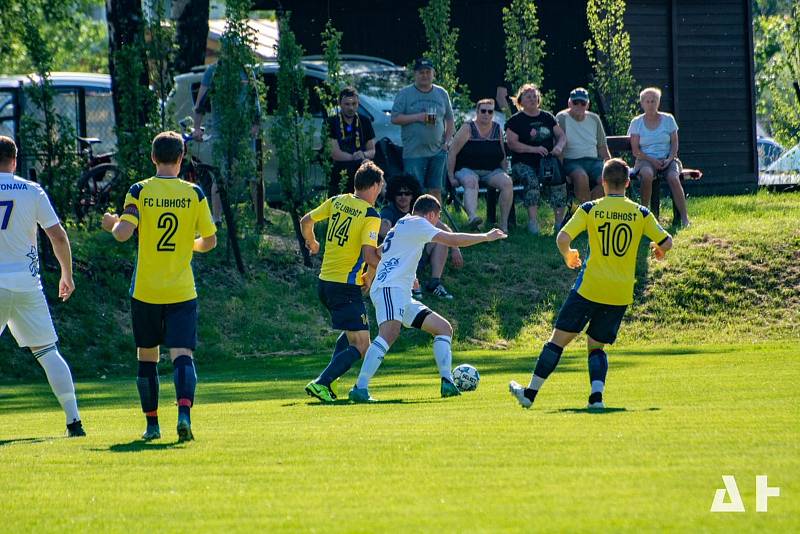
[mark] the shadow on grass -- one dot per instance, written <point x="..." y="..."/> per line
<point x="19" y="441"/>
<point x="139" y="445"/>
<point x="604" y="411"/>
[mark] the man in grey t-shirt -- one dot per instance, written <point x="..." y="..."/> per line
<point x="424" y="112"/>
<point x="586" y="148"/>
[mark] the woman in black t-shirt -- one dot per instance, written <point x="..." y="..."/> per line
<point x="533" y="134"/>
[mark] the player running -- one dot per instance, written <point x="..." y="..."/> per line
<point x="168" y="213"/>
<point x="604" y="287"/>
<point x="23" y="308"/>
<point x="391" y="292"/>
<point x="350" y="245"/>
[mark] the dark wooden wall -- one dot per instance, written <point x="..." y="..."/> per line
<point x="698" y="52"/>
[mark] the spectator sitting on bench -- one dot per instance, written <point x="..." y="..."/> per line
<point x="401" y="192"/>
<point x="586" y="148"/>
<point x="478" y="155"/>
<point x="534" y="135"/>
<point x="352" y="140"/>
<point x="654" y="144"/>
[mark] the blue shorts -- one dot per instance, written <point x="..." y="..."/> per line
<point x="345" y="304"/>
<point x="428" y="171"/>
<point x="603" y="319"/>
<point x="173" y="325"/>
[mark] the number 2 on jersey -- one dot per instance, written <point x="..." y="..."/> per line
<point x="8" y="205"/>
<point x="168" y="221"/>
<point x="340" y="231"/>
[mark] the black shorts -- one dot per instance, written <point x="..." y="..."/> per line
<point x="173" y="325"/>
<point x="345" y="304"/>
<point x="603" y="319"/>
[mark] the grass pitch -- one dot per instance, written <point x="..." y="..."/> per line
<point x="269" y="459"/>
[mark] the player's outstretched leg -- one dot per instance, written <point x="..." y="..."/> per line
<point x="442" y="330"/>
<point x="147" y="384"/>
<point x="372" y="361"/>
<point x="546" y="364"/>
<point x="598" y="368"/>
<point x="60" y="379"/>
<point x="185" y="379"/>
<point x="341" y="362"/>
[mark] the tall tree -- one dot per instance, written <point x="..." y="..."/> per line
<point x="443" y="50"/>
<point x="524" y="48"/>
<point x="126" y="30"/>
<point x="191" y="33"/>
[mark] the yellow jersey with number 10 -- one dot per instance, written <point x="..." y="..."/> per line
<point x="168" y="213"/>
<point x="352" y="223"/>
<point x="615" y="225"/>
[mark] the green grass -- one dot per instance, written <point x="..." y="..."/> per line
<point x="269" y="459"/>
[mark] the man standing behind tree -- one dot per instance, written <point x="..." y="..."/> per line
<point x="586" y="145"/>
<point x="424" y="112"/>
<point x="352" y="140"/>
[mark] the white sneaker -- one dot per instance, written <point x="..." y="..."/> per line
<point x="518" y="392"/>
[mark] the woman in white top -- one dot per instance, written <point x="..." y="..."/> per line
<point x="654" y="143"/>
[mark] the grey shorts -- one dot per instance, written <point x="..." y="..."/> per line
<point x="674" y="168"/>
<point x="483" y="176"/>
<point x="593" y="167"/>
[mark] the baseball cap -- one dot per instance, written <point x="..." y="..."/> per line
<point x="423" y="63"/>
<point x="579" y="93"/>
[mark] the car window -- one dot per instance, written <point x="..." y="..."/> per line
<point x="7" y="114"/>
<point x="100" y="119"/>
<point x="314" y="103"/>
<point x="380" y="85"/>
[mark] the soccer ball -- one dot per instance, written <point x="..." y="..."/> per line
<point x="466" y="377"/>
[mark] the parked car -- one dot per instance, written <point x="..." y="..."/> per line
<point x="783" y="173"/>
<point x="768" y="151"/>
<point x="377" y="81"/>
<point x="84" y="98"/>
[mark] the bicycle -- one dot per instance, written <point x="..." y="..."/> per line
<point x="98" y="182"/>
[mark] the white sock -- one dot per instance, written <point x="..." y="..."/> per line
<point x="598" y="386"/>
<point x="60" y="379"/>
<point x="372" y="360"/>
<point x="443" y="356"/>
<point x="536" y="382"/>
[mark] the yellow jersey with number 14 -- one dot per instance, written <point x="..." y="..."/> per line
<point x="615" y="225"/>
<point x="352" y="223"/>
<point x="168" y="213"/>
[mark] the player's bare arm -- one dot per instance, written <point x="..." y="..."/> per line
<point x="571" y="256"/>
<point x="58" y="238"/>
<point x="465" y="240"/>
<point x="121" y="230"/>
<point x="205" y="244"/>
<point x="307" y="229"/>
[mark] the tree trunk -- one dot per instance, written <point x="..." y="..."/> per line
<point x="125" y="28"/>
<point x="191" y="33"/>
<point x="301" y="242"/>
<point x="230" y="223"/>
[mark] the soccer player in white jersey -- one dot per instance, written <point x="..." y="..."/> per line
<point x="391" y="292"/>
<point x="23" y="308"/>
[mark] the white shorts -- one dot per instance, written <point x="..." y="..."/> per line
<point x="28" y="318"/>
<point x="395" y="304"/>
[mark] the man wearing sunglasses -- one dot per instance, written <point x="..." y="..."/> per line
<point x="586" y="148"/>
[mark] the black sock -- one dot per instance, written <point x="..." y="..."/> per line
<point x="340" y="363"/>
<point x="185" y="378"/>
<point x="147" y="384"/>
<point x="530" y="394"/>
<point x="595" y="397"/>
<point x="433" y="282"/>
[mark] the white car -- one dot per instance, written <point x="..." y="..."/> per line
<point x="377" y="81"/>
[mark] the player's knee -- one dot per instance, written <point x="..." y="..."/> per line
<point x="445" y="328"/>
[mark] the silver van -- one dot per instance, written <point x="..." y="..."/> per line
<point x="377" y="81"/>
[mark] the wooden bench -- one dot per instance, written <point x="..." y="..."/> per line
<point x="622" y="144"/>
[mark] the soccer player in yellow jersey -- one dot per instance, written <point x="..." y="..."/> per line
<point x="604" y="287"/>
<point x="168" y="213"/>
<point x="350" y="246"/>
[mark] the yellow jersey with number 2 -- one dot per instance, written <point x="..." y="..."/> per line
<point x="168" y="213"/>
<point x="615" y="225"/>
<point x="352" y="223"/>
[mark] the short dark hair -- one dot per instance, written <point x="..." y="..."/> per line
<point x="348" y="92"/>
<point x="367" y="175"/>
<point x="167" y="147"/>
<point x="398" y="182"/>
<point x="8" y="149"/>
<point x="426" y="204"/>
<point x="615" y="172"/>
